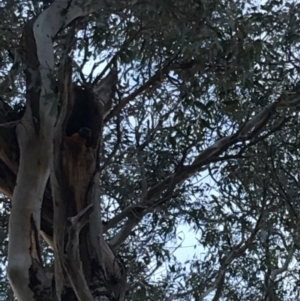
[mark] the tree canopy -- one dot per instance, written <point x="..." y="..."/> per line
<point x="203" y="131"/>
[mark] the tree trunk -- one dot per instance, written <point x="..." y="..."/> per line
<point x="59" y="136"/>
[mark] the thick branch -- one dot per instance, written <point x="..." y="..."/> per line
<point x="72" y="260"/>
<point x="246" y="132"/>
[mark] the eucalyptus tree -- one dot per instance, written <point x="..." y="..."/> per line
<point x="121" y="121"/>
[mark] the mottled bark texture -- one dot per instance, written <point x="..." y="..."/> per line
<point x="49" y="166"/>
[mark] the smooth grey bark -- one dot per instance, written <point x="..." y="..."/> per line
<point x="36" y="133"/>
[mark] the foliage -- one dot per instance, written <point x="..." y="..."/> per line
<point x="190" y="73"/>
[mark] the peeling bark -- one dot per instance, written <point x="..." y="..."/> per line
<point x="74" y="169"/>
